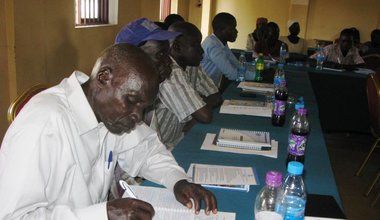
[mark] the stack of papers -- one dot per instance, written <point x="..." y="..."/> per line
<point x="243" y="107"/>
<point x="257" y="87"/>
<point x="222" y="177"/>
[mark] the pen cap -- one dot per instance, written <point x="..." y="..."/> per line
<point x="273" y="178"/>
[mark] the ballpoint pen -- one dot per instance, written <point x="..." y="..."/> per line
<point x="109" y="159"/>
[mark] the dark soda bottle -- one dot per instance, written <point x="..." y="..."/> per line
<point x="299" y="132"/>
<point x="279" y="104"/>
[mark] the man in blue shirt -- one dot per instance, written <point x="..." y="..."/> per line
<point x="218" y="59"/>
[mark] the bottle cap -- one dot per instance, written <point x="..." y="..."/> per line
<point x="295" y="168"/>
<point x="302" y="111"/>
<point x="299" y="105"/>
<point x="273" y="178"/>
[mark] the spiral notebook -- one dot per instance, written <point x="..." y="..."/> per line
<point x="245" y="139"/>
<point x="168" y="208"/>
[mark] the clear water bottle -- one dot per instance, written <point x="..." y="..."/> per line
<point x="299" y="104"/>
<point x="299" y="132"/>
<point x="292" y="203"/>
<point x="278" y="75"/>
<point x="283" y="53"/>
<point x="242" y="68"/>
<point x="320" y="58"/>
<point x="265" y="203"/>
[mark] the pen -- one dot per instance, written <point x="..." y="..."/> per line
<point x="109" y="159"/>
<point x="127" y="189"/>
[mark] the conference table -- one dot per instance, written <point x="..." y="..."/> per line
<point x="318" y="176"/>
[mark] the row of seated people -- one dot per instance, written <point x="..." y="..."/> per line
<point x="68" y="140"/>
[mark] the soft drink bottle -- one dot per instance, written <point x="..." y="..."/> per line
<point x="242" y="68"/>
<point x="279" y="104"/>
<point x="299" y="131"/>
<point x="292" y="203"/>
<point x="265" y="203"/>
<point x="260" y="65"/>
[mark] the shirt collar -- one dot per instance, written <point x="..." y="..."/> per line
<point x="78" y="102"/>
<point x="219" y="42"/>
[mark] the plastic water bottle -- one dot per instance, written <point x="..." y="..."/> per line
<point x="320" y="58"/>
<point x="293" y="201"/>
<point x="265" y="203"/>
<point x="279" y="104"/>
<point x="279" y="75"/>
<point x="299" y="104"/>
<point x="283" y="53"/>
<point x="299" y="132"/>
<point x="242" y="68"/>
<point x="260" y="66"/>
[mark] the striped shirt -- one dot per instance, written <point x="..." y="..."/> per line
<point x="180" y="96"/>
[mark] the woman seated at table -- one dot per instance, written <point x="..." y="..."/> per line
<point x="296" y="45"/>
<point x="256" y="34"/>
<point x="270" y="45"/>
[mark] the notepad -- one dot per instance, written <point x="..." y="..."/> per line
<point x="166" y="207"/>
<point x="245" y="107"/>
<point x="258" y="140"/>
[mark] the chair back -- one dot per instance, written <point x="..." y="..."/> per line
<point x="21" y="100"/>
<point x="373" y="95"/>
<point x="372" y="61"/>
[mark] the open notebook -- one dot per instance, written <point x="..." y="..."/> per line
<point x="258" y="140"/>
<point x="167" y="208"/>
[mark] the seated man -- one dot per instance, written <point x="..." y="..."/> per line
<point x="153" y="41"/>
<point x="218" y="59"/>
<point x="67" y="139"/>
<point x="189" y="95"/>
<point x="296" y="45"/>
<point x="255" y="35"/>
<point x="270" y="45"/>
<point x="373" y="46"/>
<point x="342" y="54"/>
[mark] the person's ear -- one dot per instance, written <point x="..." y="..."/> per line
<point x="104" y="76"/>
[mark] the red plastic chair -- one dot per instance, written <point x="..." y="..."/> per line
<point x="21" y="100"/>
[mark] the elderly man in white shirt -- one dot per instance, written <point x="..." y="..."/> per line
<point x="58" y="156"/>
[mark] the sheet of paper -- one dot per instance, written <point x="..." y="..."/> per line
<point x="223" y="175"/>
<point x="208" y="144"/>
<point x="364" y="71"/>
<point x="254" y="86"/>
<point x="320" y="218"/>
<point x="252" y="108"/>
<point x="167" y="208"/>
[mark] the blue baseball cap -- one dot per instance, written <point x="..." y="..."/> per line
<point x="141" y="30"/>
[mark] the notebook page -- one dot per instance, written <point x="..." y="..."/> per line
<point x="168" y="208"/>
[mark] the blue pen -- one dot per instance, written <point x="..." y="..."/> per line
<point x="109" y="159"/>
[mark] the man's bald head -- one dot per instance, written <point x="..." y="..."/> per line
<point x="123" y="83"/>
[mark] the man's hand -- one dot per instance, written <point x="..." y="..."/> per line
<point x="184" y="191"/>
<point x="129" y="209"/>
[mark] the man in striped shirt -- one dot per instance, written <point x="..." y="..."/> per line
<point x="189" y="95"/>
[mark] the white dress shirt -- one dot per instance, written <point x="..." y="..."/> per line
<point x="55" y="163"/>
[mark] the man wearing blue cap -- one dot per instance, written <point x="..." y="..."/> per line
<point x="152" y="40"/>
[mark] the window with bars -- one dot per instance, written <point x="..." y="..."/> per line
<point x="91" y="12"/>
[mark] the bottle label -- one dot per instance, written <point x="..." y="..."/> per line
<point x="279" y="107"/>
<point x="259" y="66"/>
<point x="293" y="208"/>
<point x="297" y="144"/>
